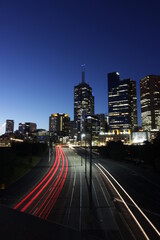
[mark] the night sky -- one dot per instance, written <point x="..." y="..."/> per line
<point x="44" y="43"/>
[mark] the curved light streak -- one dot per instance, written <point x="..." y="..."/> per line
<point x="44" y="205"/>
<point x="147" y="219"/>
<point x="44" y="186"/>
<point x="46" y="202"/>
<point x="39" y="184"/>
<point x="133" y="216"/>
<point x="59" y="189"/>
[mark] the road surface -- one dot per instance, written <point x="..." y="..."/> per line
<point x="123" y="203"/>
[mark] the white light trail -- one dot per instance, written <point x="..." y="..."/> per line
<point x="156" y="230"/>
<point x="133" y="216"/>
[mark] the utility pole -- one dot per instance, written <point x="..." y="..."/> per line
<point x="85" y="156"/>
<point x="90" y="172"/>
<point x="90" y="180"/>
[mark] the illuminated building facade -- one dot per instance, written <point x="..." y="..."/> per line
<point x="122" y="103"/>
<point x="9" y="126"/>
<point x="83" y="103"/>
<point x="150" y="102"/>
<point x="27" y="127"/>
<point x="73" y="130"/>
<point x="59" y="124"/>
<point x="102" y="122"/>
<point x="21" y="128"/>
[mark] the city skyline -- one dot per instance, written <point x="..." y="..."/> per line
<point x="43" y="45"/>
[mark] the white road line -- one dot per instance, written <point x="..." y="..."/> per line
<point x="71" y="196"/>
<point x="98" y="206"/>
<point x="95" y="194"/>
<point x="108" y="205"/>
<point x="35" y="211"/>
<point x="151" y="224"/>
<point x="135" y="219"/>
<point x="80" y="209"/>
<point x="102" y="191"/>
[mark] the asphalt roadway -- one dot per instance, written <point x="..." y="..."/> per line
<point x="134" y="188"/>
<point x="70" y="205"/>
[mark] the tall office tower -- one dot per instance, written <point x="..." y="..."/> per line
<point x="59" y="124"/>
<point x="122" y="103"/>
<point x="21" y="128"/>
<point x="30" y="127"/>
<point x="27" y="127"/>
<point x="102" y="122"/>
<point x="83" y="103"/>
<point x="73" y="129"/>
<point x="150" y="102"/>
<point x="9" y="126"/>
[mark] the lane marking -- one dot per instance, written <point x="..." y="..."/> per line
<point x="102" y="191"/>
<point x="80" y="209"/>
<point x="98" y="206"/>
<point x="108" y="205"/>
<point x="71" y="196"/>
<point x="147" y="219"/>
<point x="35" y="211"/>
<point x="133" y="216"/>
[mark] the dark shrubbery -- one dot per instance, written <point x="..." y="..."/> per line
<point x="104" y="151"/>
<point x="149" y="153"/>
<point x="18" y="159"/>
<point x="113" y="150"/>
<point x="116" y="150"/>
<point x="25" y="149"/>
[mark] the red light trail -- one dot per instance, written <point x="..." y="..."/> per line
<point x="41" y="200"/>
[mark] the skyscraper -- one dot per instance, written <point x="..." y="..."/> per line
<point x="9" y="126"/>
<point x="83" y="103"/>
<point x="27" y="127"/>
<point x="102" y="122"/>
<point x="150" y="102"/>
<point x="59" y="124"/>
<point x="122" y="103"/>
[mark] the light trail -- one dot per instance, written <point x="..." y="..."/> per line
<point x="44" y="186"/>
<point x="147" y="219"/>
<point x="57" y="194"/>
<point x="133" y="216"/>
<point x="59" y="187"/>
<point x="32" y="211"/>
<point x="49" y="192"/>
<point x="43" y="196"/>
<point x="47" y="201"/>
<point x="39" y="184"/>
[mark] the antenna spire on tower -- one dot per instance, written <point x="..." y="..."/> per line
<point x="83" y="73"/>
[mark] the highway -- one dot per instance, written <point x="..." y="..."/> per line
<point x="62" y="197"/>
<point x="135" y="192"/>
<point x="124" y="202"/>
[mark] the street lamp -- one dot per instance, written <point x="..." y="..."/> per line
<point x="89" y="130"/>
<point x="82" y="136"/>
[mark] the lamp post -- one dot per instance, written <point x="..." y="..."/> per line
<point x="90" y="179"/>
<point x="50" y="146"/>
<point x="85" y="157"/>
<point x="82" y="136"/>
<point x="89" y="130"/>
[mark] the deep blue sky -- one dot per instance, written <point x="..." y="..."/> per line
<point x="43" y="44"/>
